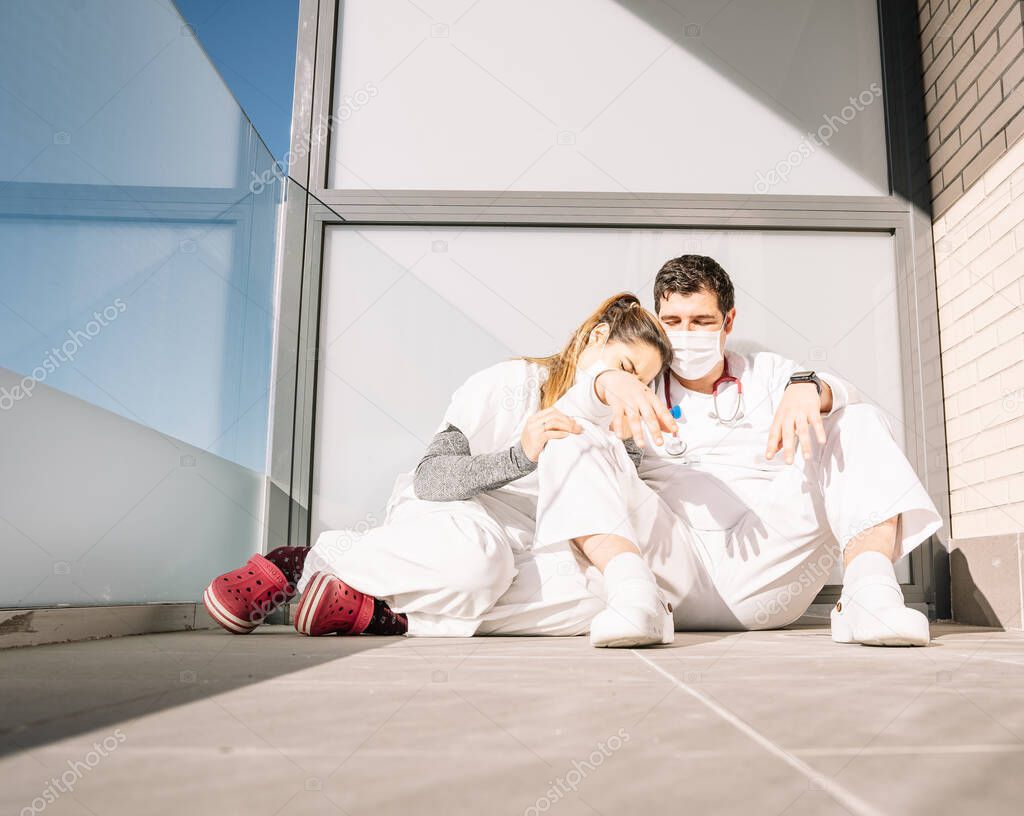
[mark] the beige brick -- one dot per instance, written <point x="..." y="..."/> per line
<point x="988" y="24"/>
<point x="985" y="69"/>
<point x="1015" y="437"/>
<point x="1011" y="270"/>
<point x="984" y="394"/>
<point x="1016" y="488"/>
<point x="999" y="303"/>
<point x="976" y="243"/>
<point x="999" y="119"/>
<point x="971" y="22"/>
<point x="953" y="334"/>
<point x="970" y="200"/>
<point x="946" y="198"/>
<point x="1010" y="325"/>
<point x="960" y="379"/>
<point x="1010" y="24"/>
<point x="1011" y="386"/>
<point x="981" y="112"/>
<point x="1013" y="75"/>
<point x="1007" y="215"/>
<point x="943" y="55"/>
<point x="955" y="115"/>
<point x="1015" y="127"/>
<point x="984" y="160"/>
<point x="988" y="494"/>
<point x="950" y="405"/>
<point x="1003" y="463"/>
<point x="967" y="301"/>
<point x="945" y="151"/>
<point x="1000" y="358"/>
<point x="941" y="24"/>
<point x="983" y="266"/>
<point x="962" y="58"/>
<point x="971" y="525"/>
<point x="989" y="208"/>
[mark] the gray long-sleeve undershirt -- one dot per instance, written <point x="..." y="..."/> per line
<point x="449" y="471"/>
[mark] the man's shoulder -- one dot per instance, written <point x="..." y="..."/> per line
<point x="760" y="363"/>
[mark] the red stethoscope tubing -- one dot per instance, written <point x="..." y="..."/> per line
<point x="725" y="378"/>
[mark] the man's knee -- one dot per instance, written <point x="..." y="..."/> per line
<point x="860" y="419"/>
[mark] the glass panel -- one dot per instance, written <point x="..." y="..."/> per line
<point x="138" y="212"/>
<point x="409" y="313"/>
<point x="687" y="96"/>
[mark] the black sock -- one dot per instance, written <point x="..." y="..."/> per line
<point x="290" y="560"/>
<point x="386" y="622"/>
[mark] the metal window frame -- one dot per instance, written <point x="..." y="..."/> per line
<point x="900" y="214"/>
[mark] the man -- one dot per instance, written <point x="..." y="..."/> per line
<point x="782" y="471"/>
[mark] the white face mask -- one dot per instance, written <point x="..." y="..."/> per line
<point x="695" y="353"/>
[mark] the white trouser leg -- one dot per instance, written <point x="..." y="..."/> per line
<point x="782" y="551"/>
<point x="589" y="486"/>
<point x="444" y="565"/>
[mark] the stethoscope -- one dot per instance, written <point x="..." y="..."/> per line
<point x="674" y="446"/>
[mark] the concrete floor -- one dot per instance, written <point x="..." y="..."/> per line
<point x="785" y="722"/>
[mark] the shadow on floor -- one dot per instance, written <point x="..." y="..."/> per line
<point x="39" y="705"/>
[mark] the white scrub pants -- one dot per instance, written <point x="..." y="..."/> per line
<point x="765" y="571"/>
<point x="456" y="572"/>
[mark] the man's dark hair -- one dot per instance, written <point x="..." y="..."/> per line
<point x="689" y="274"/>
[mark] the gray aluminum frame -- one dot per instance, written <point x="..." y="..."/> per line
<point x="897" y="215"/>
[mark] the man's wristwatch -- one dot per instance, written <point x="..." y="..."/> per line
<point x="805" y="377"/>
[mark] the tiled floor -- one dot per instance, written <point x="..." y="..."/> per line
<point x="765" y="723"/>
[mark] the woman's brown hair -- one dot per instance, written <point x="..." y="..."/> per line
<point x="628" y="322"/>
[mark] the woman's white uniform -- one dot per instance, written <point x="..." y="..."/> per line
<point x="735" y="540"/>
<point x="461" y="568"/>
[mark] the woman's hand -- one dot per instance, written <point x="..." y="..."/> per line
<point x="544" y="425"/>
<point x="633" y="405"/>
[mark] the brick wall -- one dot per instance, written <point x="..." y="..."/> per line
<point x="979" y="254"/>
<point x="973" y="60"/>
<point x="973" y="55"/>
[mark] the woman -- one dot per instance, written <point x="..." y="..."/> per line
<point x="456" y="555"/>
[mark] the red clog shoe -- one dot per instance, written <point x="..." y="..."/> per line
<point x="330" y="606"/>
<point x="239" y="600"/>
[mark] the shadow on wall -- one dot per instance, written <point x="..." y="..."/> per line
<point x="970" y="602"/>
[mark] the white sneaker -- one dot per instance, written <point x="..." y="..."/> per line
<point x="872" y="612"/>
<point x="624" y="626"/>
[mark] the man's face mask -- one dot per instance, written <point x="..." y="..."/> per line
<point x="695" y="353"/>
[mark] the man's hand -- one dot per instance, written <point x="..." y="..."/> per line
<point x="634" y="405"/>
<point x="544" y="425"/>
<point x="799" y="411"/>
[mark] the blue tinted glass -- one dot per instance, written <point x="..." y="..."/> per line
<point x="138" y="211"/>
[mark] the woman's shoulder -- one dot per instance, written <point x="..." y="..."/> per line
<point x="517" y="375"/>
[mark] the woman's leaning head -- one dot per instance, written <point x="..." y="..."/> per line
<point x="619" y="334"/>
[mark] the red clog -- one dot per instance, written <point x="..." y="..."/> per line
<point x="330" y="606"/>
<point x="239" y="600"/>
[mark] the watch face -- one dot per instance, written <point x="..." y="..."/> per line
<point x="802" y="375"/>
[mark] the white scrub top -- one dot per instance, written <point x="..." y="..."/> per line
<point x="491" y="409"/>
<point x="724" y="470"/>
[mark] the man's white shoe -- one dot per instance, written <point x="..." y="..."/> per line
<point x="624" y="626"/>
<point x="872" y="612"/>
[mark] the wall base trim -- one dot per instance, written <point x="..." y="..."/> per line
<point x="987" y="580"/>
<point x="36" y="627"/>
